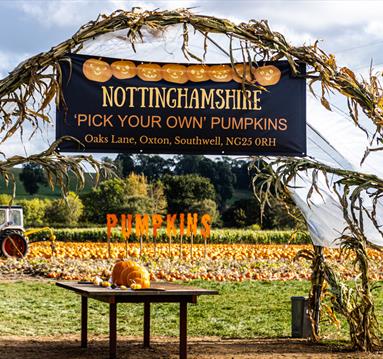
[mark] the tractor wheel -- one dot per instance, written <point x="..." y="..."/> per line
<point x="13" y="244"/>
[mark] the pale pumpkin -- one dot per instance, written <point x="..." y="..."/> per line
<point x="97" y="70"/>
<point x="267" y="75"/>
<point x="175" y="73"/>
<point x="124" y="69"/>
<point x="149" y="72"/>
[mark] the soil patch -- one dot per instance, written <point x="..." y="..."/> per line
<point x="68" y="347"/>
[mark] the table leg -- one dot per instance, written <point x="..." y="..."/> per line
<point x="183" y="330"/>
<point x="112" y="330"/>
<point x="84" y="321"/>
<point x="146" y="324"/>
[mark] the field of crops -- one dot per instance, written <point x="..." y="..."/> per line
<point x="222" y="236"/>
<point x="218" y="262"/>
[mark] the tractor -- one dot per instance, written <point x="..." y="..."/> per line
<point x="13" y="237"/>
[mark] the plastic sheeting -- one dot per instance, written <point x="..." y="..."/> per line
<point x="332" y="138"/>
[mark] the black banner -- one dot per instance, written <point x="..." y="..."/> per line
<point x="116" y="105"/>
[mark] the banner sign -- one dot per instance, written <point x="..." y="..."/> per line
<point x="113" y="105"/>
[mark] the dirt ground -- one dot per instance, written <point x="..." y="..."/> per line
<point x="68" y="347"/>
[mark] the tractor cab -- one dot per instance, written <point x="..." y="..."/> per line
<point x="11" y="218"/>
<point x="12" y="240"/>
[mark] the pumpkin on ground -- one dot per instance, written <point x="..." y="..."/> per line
<point x="97" y="70"/>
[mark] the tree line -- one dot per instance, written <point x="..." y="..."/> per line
<point x="184" y="183"/>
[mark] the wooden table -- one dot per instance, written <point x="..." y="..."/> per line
<point x="158" y="293"/>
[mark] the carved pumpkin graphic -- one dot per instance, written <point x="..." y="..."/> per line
<point x="240" y="69"/>
<point x="124" y="69"/>
<point x="267" y="75"/>
<point x="221" y="73"/>
<point x="175" y="73"/>
<point x="198" y="73"/>
<point x="97" y="70"/>
<point x="149" y="72"/>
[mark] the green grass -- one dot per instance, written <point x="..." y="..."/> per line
<point x="44" y="191"/>
<point x="242" y="310"/>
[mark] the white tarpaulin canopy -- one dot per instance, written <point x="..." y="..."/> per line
<point x="332" y="137"/>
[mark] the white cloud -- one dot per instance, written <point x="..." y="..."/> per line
<point x="9" y="60"/>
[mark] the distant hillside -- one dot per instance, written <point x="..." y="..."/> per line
<point x="44" y="191"/>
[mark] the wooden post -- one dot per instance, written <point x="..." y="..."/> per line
<point x="317" y="289"/>
<point x="112" y="330"/>
<point x="183" y="329"/>
<point x="146" y="324"/>
<point x="140" y="246"/>
<point x="181" y="246"/>
<point x="84" y="321"/>
<point x="191" y="247"/>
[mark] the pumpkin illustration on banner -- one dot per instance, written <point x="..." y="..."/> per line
<point x="149" y="72"/>
<point x="239" y="68"/>
<point x="124" y="69"/>
<point x="198" y="73"/>
<point x="267" y="75"/>
<point x="97" y="70"/>
<point x="221" y="73"/>
<point x="175" y="73"/>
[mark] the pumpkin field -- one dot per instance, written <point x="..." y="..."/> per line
<point x="186" y="262"/>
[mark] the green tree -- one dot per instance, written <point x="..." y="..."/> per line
<point x="34" y="211"/>
<point x="31" y="176"/>
<point x="206" y="206"/>
<point x="65" y="211"/>
<point x="130" y="195"/>
<point x="153" y="166"/>
<point x="183" y="191"/>
<point x="124" y="164"/>
<point x="108" y="197"/>
<point x="5" y="199"/>
<point x="219" y="172"/>
<point x="240" y="169"/>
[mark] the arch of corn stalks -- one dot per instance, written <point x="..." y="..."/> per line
<point x="27" y="92"/>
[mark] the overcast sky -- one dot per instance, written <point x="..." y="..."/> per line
<point x="352" y="30"/>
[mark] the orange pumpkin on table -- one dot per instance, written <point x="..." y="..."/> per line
<point x="97" y="70"/>
<point x="239" y="68"/>
<point x="267" y="75"/>
<point x="149" y="72"/>
<point x="175" y="73"/>
<point x="119" y="267"/>
<point x="221" y="73"/>
<point x="124" y="69"/>
<point x="198" y="73"/>
<point x="139" y="276"/>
